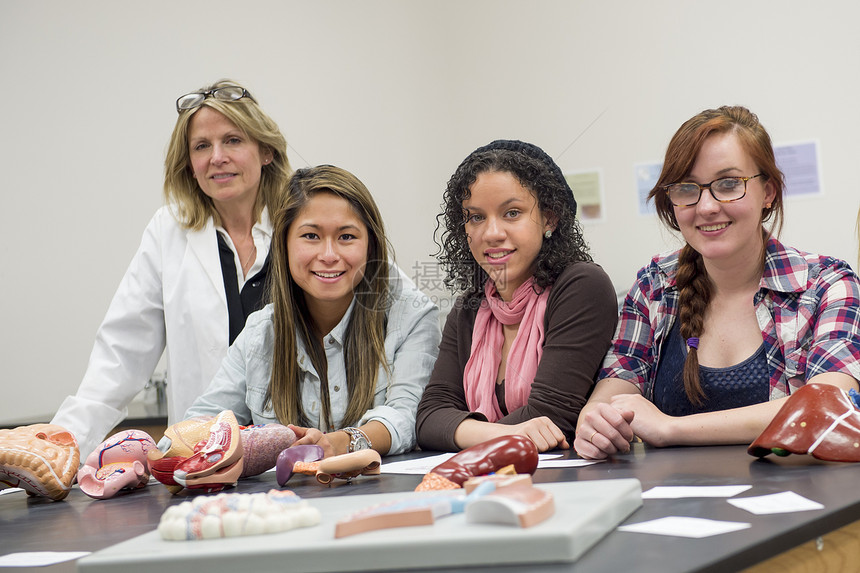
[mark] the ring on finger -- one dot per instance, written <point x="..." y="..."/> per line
<point x="591" y="439"/>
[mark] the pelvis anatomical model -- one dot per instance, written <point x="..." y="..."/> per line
<point x="120" y="462"/>
<point x="213" y="461"/>
<point x="209" y="453"/>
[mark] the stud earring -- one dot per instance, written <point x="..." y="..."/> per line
<point x="767" y="205"/>
<point x="547" y="234"/>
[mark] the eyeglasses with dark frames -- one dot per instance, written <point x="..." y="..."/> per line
<point x="226" y="93"/>
<point x="723" y="190"/>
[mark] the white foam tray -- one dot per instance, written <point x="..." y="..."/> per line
<point x="584" y="513"/>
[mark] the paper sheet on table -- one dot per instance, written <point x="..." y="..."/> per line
<point x="571" y="463"/>
<point x="784" y="502"/>
<point x="422" y="466"/>
<point x="677" y="492"/>
<point x="39" y="558"/>
<point x="685" y="527"/>
<point x="11" y="490"/>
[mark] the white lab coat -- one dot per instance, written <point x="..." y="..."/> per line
<point x="172" y="296"/>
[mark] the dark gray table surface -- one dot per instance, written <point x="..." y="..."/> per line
<point x="79" y="523"/>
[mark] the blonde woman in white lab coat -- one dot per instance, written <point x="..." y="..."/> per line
<point x="201" y="266"/>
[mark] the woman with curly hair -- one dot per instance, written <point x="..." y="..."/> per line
<point x="714" y="337"/>
<point x="523" y="343"/>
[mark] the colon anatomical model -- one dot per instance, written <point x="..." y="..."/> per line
<point x="41" y="458"/>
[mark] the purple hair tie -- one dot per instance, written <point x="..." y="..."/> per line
<point x="693" y="342"/>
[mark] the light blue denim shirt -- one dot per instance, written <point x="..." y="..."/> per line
<point x="411" y="345"/>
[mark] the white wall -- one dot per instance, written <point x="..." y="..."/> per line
<point x="398" y="93"/>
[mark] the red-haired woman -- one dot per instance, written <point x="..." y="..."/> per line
<point x="713" y="338"/>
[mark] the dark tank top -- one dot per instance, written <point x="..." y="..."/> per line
<point x="725" y="388"/>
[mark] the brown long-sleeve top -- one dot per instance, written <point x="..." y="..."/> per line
<point x="580" y="321"/>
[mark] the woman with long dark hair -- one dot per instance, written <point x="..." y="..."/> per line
<point x="344" y="349"/>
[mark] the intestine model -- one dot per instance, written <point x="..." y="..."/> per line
<point x="821" y="420"/>
<point x="482" y="459"/>
<point x="40" y="458"/>
<point x="120" y="462"/>
<point x="236" y="514"/>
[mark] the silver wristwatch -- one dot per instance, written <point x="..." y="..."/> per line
<point x="358" y="440"/>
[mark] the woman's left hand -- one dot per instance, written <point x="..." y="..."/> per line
<point x="650" y="424"/>
<point x="312" y="436"/>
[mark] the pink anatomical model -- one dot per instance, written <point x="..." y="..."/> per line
<point x="182" y="438"/>
<point x="517" y="502"/>
<point x="198" y="445"/>
<point x="120" y="462"/>
<point x="522" y="505"/>
<point x="219" y="460"/>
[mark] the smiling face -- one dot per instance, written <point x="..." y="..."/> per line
<point x="226" y="163"/>
<point x="327" y="247"/>
<point x="505" y="229"/>
<point x="725" y="233"/>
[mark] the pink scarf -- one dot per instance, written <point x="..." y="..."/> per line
<point x="479" y="378"/>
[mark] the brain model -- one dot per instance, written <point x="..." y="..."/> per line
<point x="235" y="514"/>
<point x="41" y="458"/>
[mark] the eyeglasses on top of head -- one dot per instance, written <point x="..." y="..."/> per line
<point x="723" y="190"/>
<point x="226" y="93"/>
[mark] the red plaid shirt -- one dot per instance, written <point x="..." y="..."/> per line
<point x="807" y="306"/>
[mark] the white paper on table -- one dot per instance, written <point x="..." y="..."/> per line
<point x="39" y="558"/>
<point x="685" y="527"/>
<point x="784" y="502"/>
<point x="570" y="463"/>
<point x="422" y="466"/>
<point x="11" y="490"/>
<point x="677" y="492"/>
<point x="418" y="466"/>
